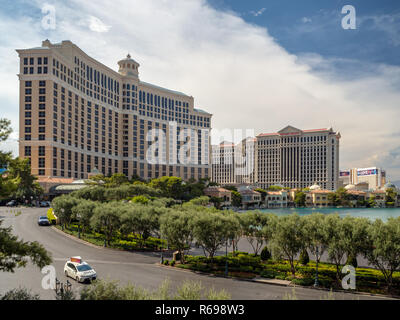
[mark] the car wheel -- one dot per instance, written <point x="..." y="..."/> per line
<point x="77" y="279"/>
<point x="66" y="273"/>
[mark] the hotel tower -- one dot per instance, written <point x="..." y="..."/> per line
<point x="78" y="115"/>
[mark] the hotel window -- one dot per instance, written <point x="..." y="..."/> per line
<point x="31" y="61"/>
<point x="27" y="151"/>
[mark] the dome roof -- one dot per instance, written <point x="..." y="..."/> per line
<point x="128" y="59"/>
<point x="350" y="187"/>
<point x="315" y="187"/>
<point x="389" y="185"/>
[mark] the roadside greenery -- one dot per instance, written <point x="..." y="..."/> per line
<point x="136" y="216"/>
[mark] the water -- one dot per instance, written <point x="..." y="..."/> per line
<point x="370" y="213"/>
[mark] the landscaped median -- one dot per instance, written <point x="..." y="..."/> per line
<point x="248" y="266"/>
<point x="132" y="242"/>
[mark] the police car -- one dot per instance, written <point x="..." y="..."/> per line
<point x="79" y="270"/>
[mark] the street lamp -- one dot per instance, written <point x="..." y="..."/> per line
<point x="316" y="273"/>
<point x="226" y="258"/>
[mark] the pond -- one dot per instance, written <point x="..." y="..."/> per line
<point x="370" y="213"/>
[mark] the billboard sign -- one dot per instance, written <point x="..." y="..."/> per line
<point x="367" y="172"/>
<point x="344" y="173"/>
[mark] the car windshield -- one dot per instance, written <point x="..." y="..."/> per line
<point x="84" y="267"/>
<point x="43" y="218"/>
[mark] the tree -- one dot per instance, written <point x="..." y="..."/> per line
<point x="83" y="212"/>
<point x="253" y="223"/>
<point x="355" y="231"/>
<point x="116" y="180"/>
<point x="14" y="252"/>
<point x="288" y="239"/>
<point x="391" y="196"/>
<point x="316" y="237"/>
<point x="337" y="241"/>
<point x="371" y="203"/>
<point x="171" y="187"/>
<point x="300" y="199"/>
<point x="382" y="247"/>
<point x="5" y="129"/>
<point x="19" y="294"/>
<point x="199" y="201"/>
<point x="216" y="202"/>
<point x="212" y="230"/>
<point x="177" y="228"/>
<point x="140" y="219"/>
<point x="236" y="199"/>
<point x="62" y="206"/>
<point x="106" y="217"/>
<point x="19" y="173"/>
<point x="262" y="192"/>
<point x="140" y="199"/>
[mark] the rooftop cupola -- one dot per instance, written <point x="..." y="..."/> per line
<point x="129" y="67"/>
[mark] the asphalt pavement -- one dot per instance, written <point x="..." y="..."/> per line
<point x="137" y="268"/>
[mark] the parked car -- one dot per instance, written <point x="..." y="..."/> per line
<point x="79" y="270"/>
<point x="44" y="204"/>
<point x="43" y="221"/>
<point x="12" y="203"/>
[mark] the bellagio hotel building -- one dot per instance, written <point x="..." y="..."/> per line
<point x="77" y="115"/>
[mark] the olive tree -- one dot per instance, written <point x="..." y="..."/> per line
<point x="289" y="239"/>
<point x="62" y="206"/>
<point x="83" y="212"/>
<point x="336" y="241"/>
<point x="252" y="223"/>
<point x="177" y="228"/>
<point x="382" y="247"/>
<point x="316" y="236"/>
<point x="107" y="217"/>
<point x="212" y="230"/>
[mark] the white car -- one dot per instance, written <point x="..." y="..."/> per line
<point x="79" y="270"/>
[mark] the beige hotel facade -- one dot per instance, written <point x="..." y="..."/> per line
<point x="77" y="115"/>
<point x="297" y="158"/>
<point x="291" y="158"/>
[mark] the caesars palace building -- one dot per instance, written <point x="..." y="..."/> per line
<point x="77" y="115"/>
<point x="291" y="158"/>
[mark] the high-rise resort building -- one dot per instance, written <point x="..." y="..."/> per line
<point x="233" y="164"/>
<point x="372" y="178"/>
<point x="79" y="116"/>
<point x="297" y="158"/>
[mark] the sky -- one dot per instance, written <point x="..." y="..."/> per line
<point x="259" y="65"/>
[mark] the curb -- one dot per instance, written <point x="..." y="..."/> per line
<point x="268" y="281"/>
<point x="77" y="239"/>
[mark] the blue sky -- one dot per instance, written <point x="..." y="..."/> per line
<point x="259" y="65"/>
<point x="315" y="26"/>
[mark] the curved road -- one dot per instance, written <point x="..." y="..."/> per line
<point x="137" y="268"/>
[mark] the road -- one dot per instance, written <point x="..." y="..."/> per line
<point x="136" y="268"/>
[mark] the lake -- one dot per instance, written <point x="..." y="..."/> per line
<point x="370" y="213"/>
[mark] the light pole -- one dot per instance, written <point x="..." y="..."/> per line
<point x="316" y="273"/>
<point x="226" y="258"/>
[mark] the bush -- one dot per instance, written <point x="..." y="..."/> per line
<point x="265" y="254"/>
<point x="172" y="263"/>
<point x="352" y="261"/>
<point x="304" y="281"/>
<point x="166" y="262"/>
<point x="268" y="274"/>
<point x="19" y="294"/>
<point x="304" y="258"/>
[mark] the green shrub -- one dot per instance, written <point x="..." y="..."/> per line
<point x="172" y="263"/>
<point x="304" y="258"/>
<point x="304" y="281"/>
<point x="166" y="262"/>
<point x="246" y="269"/>
<point x="267" y="274"/>
<point x="265" y="254"/>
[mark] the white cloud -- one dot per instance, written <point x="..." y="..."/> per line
<point x="234" y="70"/>
<point x="306" y="20"/>
<point x="259" y="12"/>
<point x="95" y="24"/>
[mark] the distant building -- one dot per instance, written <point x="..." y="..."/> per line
<point x="374" y="177"/>
<point x="276" y="199"/>
<point x="218" y="192"/>
<point x="297" y="158"/>
<point x="250" y="198"/>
